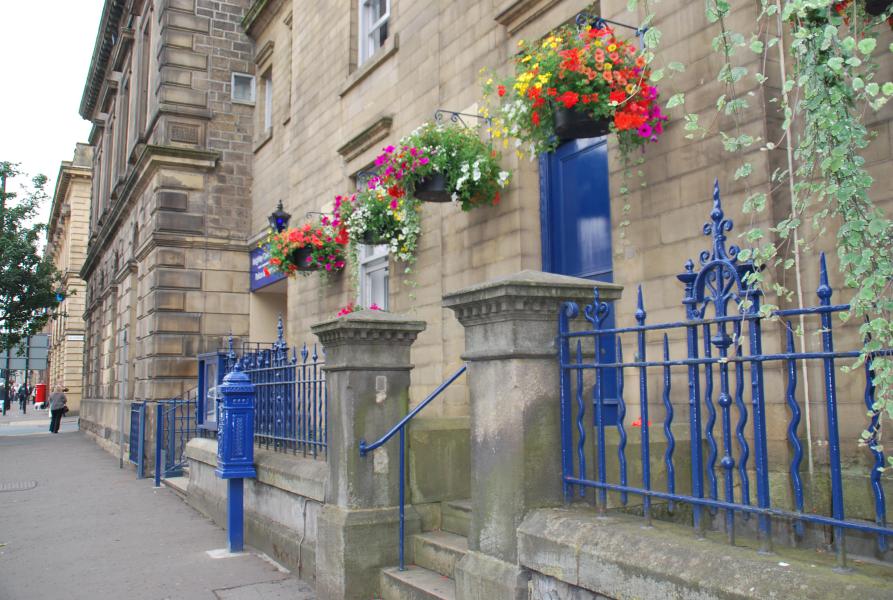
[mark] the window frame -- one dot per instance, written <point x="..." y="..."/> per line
<point x="253" y="81"/>
<point x="267" y="117"/>
<point x="367" y="46"/>
<point x="372" y="259"/>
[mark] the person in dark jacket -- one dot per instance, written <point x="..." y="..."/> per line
<point x="57" y="404"/>
<point x="22" y="397"/>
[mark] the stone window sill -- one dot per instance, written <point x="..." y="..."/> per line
<point x="391" y="45"/>
<point x="263" y="139"/>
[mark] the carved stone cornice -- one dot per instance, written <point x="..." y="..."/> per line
<point x="515" y="14"/>
<point x="364" y="140"/>
<point x="524" y="296"/>
<point x="368" y="327"/>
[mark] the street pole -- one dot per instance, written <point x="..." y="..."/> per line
<point x="123" y="393"/>
<point x="27" y="371"/>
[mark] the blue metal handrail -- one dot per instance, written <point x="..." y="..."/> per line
<point x="401" y="427"/>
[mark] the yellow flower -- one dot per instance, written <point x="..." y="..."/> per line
<point x="495" y="132"/>
<point x="526" y="59"/>
<point x="398" y="216"/>
<point x="520" y="43"/>
<point x="612" y="47"/>
<point x="490" y="81"/>
<point x="608" y="66"/>
<point x="543" y="79"/>
<point x="597" y="43"/>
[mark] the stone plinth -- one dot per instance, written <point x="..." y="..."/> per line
<point x="367" y="377"/>
<point x="510" y="345"/>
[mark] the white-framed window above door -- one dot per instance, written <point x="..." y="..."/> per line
<point x="373" y="276"/>
<point x="374" y="16"/>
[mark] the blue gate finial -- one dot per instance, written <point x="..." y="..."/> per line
<point x="718" y="229"/>
<point x="824" y="290"/>
<point x="280" y="341"/>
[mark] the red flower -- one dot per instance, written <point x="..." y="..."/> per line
<point x="500" y="90"/>
<point x="535" y="118"/>
<point x="571" y="58"/>
<point x="266" y="272"/>
<point x="342" y="237"/>
<point x="617" y="96"/>
<point x="551" y="92"/>
<point x="569" y="99"/>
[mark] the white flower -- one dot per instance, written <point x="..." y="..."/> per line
<point x="455" y="197"/>
<point x="503" y="178"/>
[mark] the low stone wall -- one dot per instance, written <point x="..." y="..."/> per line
<point x="573" y="554"/>
<point x="281" y="505"/>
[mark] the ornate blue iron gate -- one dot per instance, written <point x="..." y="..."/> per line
<point x="175" y="425"/>
<point x="137" y="451"/>
<point x="725" y="354"/>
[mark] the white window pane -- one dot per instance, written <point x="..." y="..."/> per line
<point x="268" y="103"/>
<point x="243" y="87"/>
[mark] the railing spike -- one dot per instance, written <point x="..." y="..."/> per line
<point x="640" y="307"/>
<point x="824" y="290"/>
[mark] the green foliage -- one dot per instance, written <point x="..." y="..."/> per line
<point x="827" y="67"/>
<point x="28" y="281"/>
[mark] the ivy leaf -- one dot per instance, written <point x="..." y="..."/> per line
<point x="887" y="88"/>
<point x="676" y="66"/>
<point x="858" y="83"/>
<point x="756" y="46"/>
<point x="872" y="89"/>
<point x="743" y="171"/>
<point x="657" y="75"/>
<point x="867" y="45"/>
<point x="676" y="100"/>
<point x="835" y="63"/>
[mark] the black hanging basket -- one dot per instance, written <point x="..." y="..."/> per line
<point x="572" y="124"/>
<point x="372" y="238"/>
<point x="432" y="189"/>
<point x="877" y="8"/>
<point x="299" y="259"/>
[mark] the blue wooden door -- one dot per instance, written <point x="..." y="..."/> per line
<point x="576" y="229"/>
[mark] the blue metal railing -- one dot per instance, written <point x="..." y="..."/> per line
<point x="290" y="395"/>
<point x="401" y="428"/>
<point x="719" y="369"/>
<point x="175" y="425"/>
<point x="137" y="450"/>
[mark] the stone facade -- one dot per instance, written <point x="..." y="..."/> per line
<point x="67" y="246"/>
<point x="166" y="262"/>
<point x="331" y="117"/>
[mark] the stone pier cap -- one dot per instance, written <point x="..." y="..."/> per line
<point x="512" y="315"/>
<point x="348" y="339"/>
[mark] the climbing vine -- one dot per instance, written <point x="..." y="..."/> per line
<point x="818" y="63"/>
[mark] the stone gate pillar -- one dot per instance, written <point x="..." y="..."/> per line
<point x="367" y="378"/>
<point x="511" y="326"/>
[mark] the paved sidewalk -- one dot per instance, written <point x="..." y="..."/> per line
<point x="32" y="422"/>
<point x="88" y="530"/>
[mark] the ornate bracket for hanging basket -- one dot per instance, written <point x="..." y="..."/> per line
<point x="456" y="117"/>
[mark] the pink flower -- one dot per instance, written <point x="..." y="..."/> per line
<point x="394" y="204"/>
<point x="389" y="149"/>
<point x="374" y="306"/>
<point x="328" y="266"/>
<point x="424" y="160"/>
<point x="645" y="130"/>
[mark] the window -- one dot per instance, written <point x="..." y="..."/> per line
<point x="373" y="19"/>
<point x="268" y="100"/>
<point x="373" y="276"/>
<point x="243" y="88"/>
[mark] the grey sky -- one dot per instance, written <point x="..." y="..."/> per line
<point x="46" y="47"/>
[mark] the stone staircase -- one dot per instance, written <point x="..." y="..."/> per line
<point x="434" y="554"/>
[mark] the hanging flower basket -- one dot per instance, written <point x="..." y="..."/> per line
<point x="577" y="82"/>
<point x="373" y="238"/>
<point x="432" y="188"/>
<point x="302" y="258"/>
<point x="308" y="248"/>
<point x="573" y="124"/>
<point x="877" y="8"/>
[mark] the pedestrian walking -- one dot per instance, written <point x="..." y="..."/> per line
<point x="22" y="397"/>
<point x="57" y="408"/>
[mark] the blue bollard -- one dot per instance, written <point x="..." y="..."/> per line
<point x="235" y="448"/>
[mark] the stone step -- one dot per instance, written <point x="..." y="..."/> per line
<point x="439" y="551"/>
<point x="416" y="583"/>
<point x="456" y="517"/>
<point x="178" y="484"/>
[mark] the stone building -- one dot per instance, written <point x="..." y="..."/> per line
<point x="166" y="258"/>
<point x="67" y="245"/>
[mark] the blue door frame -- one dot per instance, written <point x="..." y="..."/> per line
<point x="575" y="219"/>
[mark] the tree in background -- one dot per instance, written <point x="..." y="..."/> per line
<point x="28" y="281"/>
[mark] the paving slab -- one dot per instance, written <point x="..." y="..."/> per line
<point x="89" y="530"/>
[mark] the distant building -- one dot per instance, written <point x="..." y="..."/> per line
<point x="167" y="253"/>
<point x="67" y="246"/>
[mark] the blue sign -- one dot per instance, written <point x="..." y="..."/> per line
<point x="260" y="260"/>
